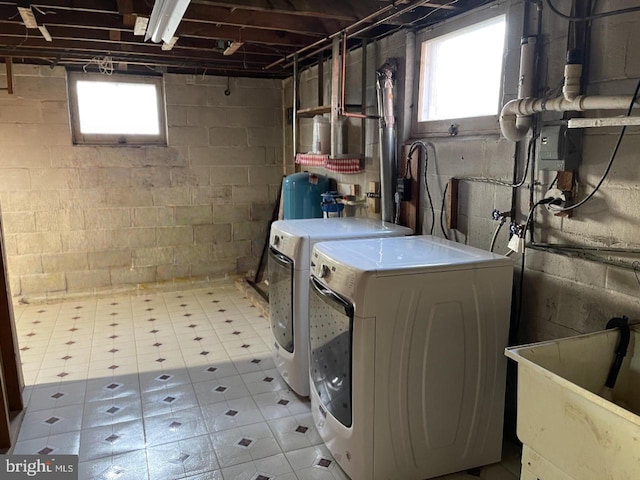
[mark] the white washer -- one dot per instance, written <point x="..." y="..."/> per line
<point x="406" y="367"/>
<point x="291" y="242"/>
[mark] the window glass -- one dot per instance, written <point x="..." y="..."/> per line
<point x="461" y="72"/>
<point x="117" y="109"/>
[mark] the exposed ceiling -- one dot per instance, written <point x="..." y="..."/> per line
<point x="84" y="32"/>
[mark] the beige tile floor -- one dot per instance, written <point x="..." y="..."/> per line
<point x="168" y="386"/>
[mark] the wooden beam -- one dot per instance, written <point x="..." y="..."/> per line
<point x="338" y="9"/>
<point x="8" y="63"/>
<point x="452" y="204"/>
<point x="190" y="29"/>
<point x="9" y="353"/>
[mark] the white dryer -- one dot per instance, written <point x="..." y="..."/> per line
<point x="406" y="367"/>
<point x="291" y="242"/>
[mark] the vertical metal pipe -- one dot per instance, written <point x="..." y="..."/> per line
<point x="409" y="68"/>
<point x="335" y="95"/>
<point x="294" y="139"/>
<point x="387" y="139"/>
<point x="343" y="78"/>
<point x="363" y="99"/>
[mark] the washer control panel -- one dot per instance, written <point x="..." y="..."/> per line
<point x="339" y="277"/>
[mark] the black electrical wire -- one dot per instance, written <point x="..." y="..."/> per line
<point x="444" y="198"/>
<point x="590" y="17"/>
<point x="412" y="149"/>
<point x="611" y="160"/>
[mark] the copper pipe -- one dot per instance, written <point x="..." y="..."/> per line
<point x="350" y="27"/>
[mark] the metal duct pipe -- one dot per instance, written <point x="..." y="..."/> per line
<point x="385" y="86"/>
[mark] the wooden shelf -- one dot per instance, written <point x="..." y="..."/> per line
<point x="312" y="112"/>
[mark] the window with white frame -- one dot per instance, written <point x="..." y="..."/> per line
<point x="117" y="109"/>
<point x="461" y="72"/>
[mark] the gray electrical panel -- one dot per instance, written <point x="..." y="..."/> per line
<point x="559" y="147"/>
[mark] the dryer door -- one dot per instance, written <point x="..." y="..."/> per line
<point x="330" y="341"/>
<point x="281" y="298"/>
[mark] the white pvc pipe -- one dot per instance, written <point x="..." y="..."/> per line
<point x="515" y="117"/>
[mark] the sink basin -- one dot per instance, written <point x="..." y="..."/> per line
<point x="568" y="430"/>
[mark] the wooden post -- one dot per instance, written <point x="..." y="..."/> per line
<point x="452" y="204"/>
<point x="8" y="62"/>
<point x="409" y="211"/>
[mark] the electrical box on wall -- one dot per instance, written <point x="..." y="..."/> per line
<point x="559" y="148"/>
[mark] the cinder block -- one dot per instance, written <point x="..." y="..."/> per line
<point x="189" y="136"/>
<point x="193" y="215"/>
<point x="174" y="236"/>
<point x="206" y="117"/>
<point x="10" y="244"/>
<point x="60" y="221"/>
<point x="54" y="178"/>
<point x="176" y="116"/>
<point x="107" y="218"/>
<point x="212" y="233"/>
<point x="65" y="262"/>
<point x="128" y="197"/>
<point x="252" y="117"/>
<point x="229" y="175"/>
<point x="84" y="280"/>
<point x="265" y="97"/>
<point x="85" y="198"/>
<point x="227" y="137"/>
<point x="271" y="175"/>
<point x="172" y="272"/>
<point x="23" y="111"/>
<point x="216" y="269"/>
<point x="249" y="230"/>
<point x="42" y="283"/>
<point x="76" y="156"/>
<point x="149" y="257"/>
<point x="119" y="177"/>
<point x="40" y="88"/>
<point x="266" y="136"/>
<point x="153" y="217"/>
<point x="18" y="222"/>
<point x="88" y="240"/>
<point x="124" y="276"/>
<point x="231" y="250"/>
<point x="15" y="288"/>
<point x="19" y="265"/>
<point x="166" y="156"/>
<point x="25" y="156"/>
<point x="209" y="155"/>
<point x="48" y="242"/>
<point x="190" y="177"/>
<point x="249" y="156"/>
<point x="113" y="258"/>
<point x="211" y="195"/>
<point x="260" y="212"/>
<point x="171" y="196"/>
<point x="192" y="254"/>
<point x="135" y="237"/>
<point x="217" y="98"/>
<point x="9" y="132"/>
<point x="45" y="134"/>
<point x="231" y="213"/>
<point x="186" y="95"/>
<point x="151" y="177"/>
<point x="55" y="113"/>
<point x="253" y="194"/>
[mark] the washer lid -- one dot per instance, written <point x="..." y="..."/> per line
<point x="408" y="255"/>
<point x="320" y="229"/>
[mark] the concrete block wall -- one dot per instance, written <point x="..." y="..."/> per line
<point x="84" y="218"/>
<point x="562" y="296"/>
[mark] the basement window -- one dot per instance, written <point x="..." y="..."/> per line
<point x="117" y="109"/>
<point x="461" y="73"/>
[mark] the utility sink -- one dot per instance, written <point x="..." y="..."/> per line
<point x="568" y="429"/>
